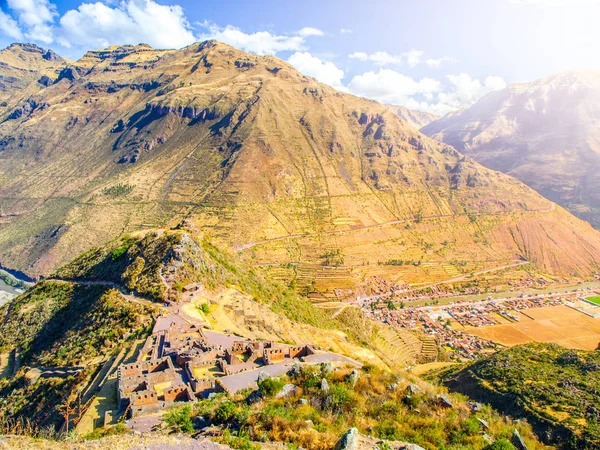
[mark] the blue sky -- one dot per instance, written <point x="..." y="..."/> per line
<point x="433" y="55"/>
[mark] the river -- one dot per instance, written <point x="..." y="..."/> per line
<point x="7" y="292"/>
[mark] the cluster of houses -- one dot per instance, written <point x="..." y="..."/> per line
<point x="481" y="314"/>
<point x="181" y="363"/>
<point x="436" y="321"/>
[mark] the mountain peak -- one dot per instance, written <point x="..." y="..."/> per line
<point x="544" y="132"/>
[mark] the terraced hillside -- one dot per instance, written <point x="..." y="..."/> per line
<point x="71" y="330"/>
<point x="157" y="265"/>
<point x="264" y="159"/>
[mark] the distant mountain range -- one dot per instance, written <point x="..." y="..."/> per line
<point x="416" y="119"/>
<point x="545" y="133"/>
<point x="292" y="173"/>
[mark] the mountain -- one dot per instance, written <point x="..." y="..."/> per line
<point x="414" y="118"/>
<point x="25" y="69"/>
<point x="556" y="389"/>
<point x="317" y="186"/>
<point x="545" y="133"/>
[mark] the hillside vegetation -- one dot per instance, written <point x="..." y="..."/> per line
<point x="266" y="160"/>
<point x="108" y="297"/>
<point x="60" y="325"/>
<point x="157" y="265"/>
<point x="556" y="389"/>
<point x="304" y="411"/>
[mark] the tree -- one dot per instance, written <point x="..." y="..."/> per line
<point x="333" y="258"/>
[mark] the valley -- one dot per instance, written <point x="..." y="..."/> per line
<point x="227" y="248"/>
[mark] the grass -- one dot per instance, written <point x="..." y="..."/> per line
<point x="595" y="299"/>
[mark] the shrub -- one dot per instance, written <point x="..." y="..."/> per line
<point x="118" y="190"/>
<point x="239" y="442"/>
<point x="230" y="413"/>
<point x="180" y="419"/>
<point x="388" y="429"/>
<point x="271" y="386"/>
<point x="338" y="398"/>
<point x="500" y="444"/>
<point x="471" y="426"/>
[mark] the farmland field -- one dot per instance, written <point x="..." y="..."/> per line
<point x="558" y="324"/>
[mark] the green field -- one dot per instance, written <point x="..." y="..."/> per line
<point x="595" y="299"/>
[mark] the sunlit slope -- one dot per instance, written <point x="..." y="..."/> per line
<point x="545" y="133"/>
<point x="264" y="159"/>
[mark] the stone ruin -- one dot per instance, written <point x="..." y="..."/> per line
<point x="166" y="369"/>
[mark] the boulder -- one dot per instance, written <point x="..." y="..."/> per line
<point x="295" y="370"/>
<point x="348" y="441"/>
<point x="326" y="368"/>
<point x="262" y="376"/>
<point x="287" y="391"/>
<point x="353" y="377"/>
<point x="324" y="385"/>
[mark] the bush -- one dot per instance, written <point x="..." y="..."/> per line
<point x="239" y="442"/>
<point x="180" y="419"/>
<point x="271" y="386"/>
<point x="230" y="413"/>
<point x="500" y="444"/>
<point x="471" y="426"/>
<point x="388" y="429"/>
<point x="338" y="398"/>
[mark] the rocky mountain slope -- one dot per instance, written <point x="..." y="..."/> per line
<point x="545" y="133"/>
<point x="285" y="169"/>
<point x="555" y="388"/>
<point x="414" y="118"/>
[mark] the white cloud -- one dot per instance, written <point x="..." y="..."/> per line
<point x="9" y="26"/>
<point x="361" y="56"/>
<point x="389" y="86"/>
<point x="309" y="31"/>
<point x="132" y="22"/>
<point x="411" y="58"/>
<point x="324" y="71"/>
<point x="436" y="63"/>
<point x="36" y="18"/>
<point x="427" y="94"/>
<point x="384" y="58"/>
<point x="466" y="90"/>
<point x="261" y="42"/>
<point x="346" y="31"/>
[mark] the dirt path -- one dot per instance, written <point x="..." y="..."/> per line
<point x="479" y="272"/>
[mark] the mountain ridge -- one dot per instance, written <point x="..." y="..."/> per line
<point x="131" y="138"/>
<point x="544" y="133"/>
